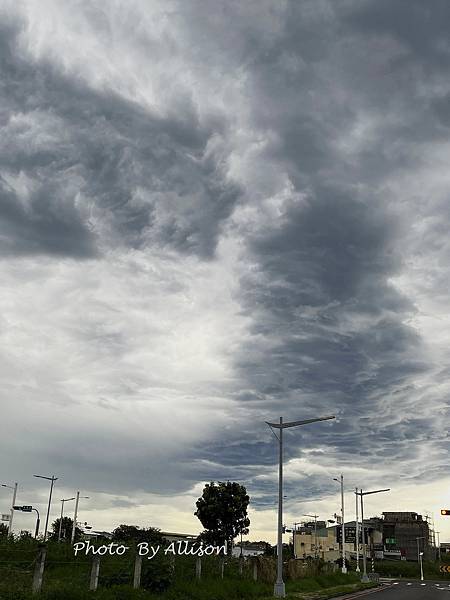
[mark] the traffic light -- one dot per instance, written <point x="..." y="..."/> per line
<point x="445" y="512"/>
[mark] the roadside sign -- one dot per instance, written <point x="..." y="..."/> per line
<point x="27" y="508"/>
<point x="5" y="517"/>
<point x="445" y="512"/>
<point x="445" y="569"/>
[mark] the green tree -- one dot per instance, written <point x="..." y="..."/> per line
<point x="66" y="530"/>
<point x="222" y="510"/>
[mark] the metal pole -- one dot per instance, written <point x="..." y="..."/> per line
<point x="74" y="526"/>
<point x="38" y="521"/>
<point x="60" y="520"/>
<point x="418" y="555"/>
<point x="439" y="546"/>
<point x="279" y="588"/>
<point x="421" y="567"/>
<point x="364" y="577"/>
<point x="358" y="570"/>
<point x="315" y="536"/>
<point x="52" y="480"/>
<point x="12" y="510"/>
<point x="344" y="568"/>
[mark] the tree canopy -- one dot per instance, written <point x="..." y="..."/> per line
<point x="222" y="510"/>
<point x="66" y="529"/>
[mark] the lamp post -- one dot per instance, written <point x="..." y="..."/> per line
<point x="11" y="514"/>
<point x="293" y="537"/>
<point x="315" y="532"/>
<point x="364" y="577"/>
<point x="74" y="525"/>
<point x="439" y="546"/>
<point x="52" y="479"/>
<point x="418" y="548"/>
<point x="421" y="566"/>
<point x="279" y="588"/>
<point x="344" y="567"/>
<point x="358" y="570"/>
<point x="61" y="517"/>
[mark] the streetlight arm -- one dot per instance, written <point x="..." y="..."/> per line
<point x="295" y="423"/>
<point x="374" y="492"/>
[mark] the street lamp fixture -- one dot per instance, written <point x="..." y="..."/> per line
<point x="279" y="588"/>
<point x="52" y="479"/>
<point x="364" y="577"/>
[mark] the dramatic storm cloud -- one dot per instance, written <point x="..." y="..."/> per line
<point x="213" y="214"/>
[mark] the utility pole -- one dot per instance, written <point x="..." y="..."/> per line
<point x="439" y="546"/>
<point x="52" y="479"/>
<point x="364" y="577"/>
<point x="75" y="514"/>
<point x="61" y="517"/>
<point x="358" y="570"/>
<point x="344" y="567"/>
<point x="293" y="537"/>
<point x="279" y="587"/>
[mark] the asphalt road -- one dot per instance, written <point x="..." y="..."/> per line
<point x="411" y="590"/>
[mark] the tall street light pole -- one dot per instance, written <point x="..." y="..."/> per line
<point x="279" y="588"/>
<point x="344" y="567"/>
<point x="75" y="514"/>
<point x="364" y="577"/>
<point x="418" y="549"/>
<point x="52" y="479"/>
<point x="11" y="514"/>
<point x="293" y="537"/>
<point x="439" y="546"/>
<point x="357" y="532"/>
<point x="61" y="517"/>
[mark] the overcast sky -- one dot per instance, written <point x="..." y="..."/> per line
<point x="214" y="213"/>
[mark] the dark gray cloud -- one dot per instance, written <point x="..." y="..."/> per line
<point x="102" y="170"/>
<point x="310" y="140"/>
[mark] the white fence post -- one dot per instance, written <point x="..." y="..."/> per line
<point x="94" y="573"/>
<point x="137" y="571"/>
<point x="198" y="568"/>
<point x="39" y="570"/>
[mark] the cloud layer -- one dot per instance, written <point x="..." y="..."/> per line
<point x="211" y="218"/>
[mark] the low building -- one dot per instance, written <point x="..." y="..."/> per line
<point x="407" y="534"/>
<point x="327" y="546"/>
<point x="248" y="549"/>
<point x="178" y="537"/>
<point x="445" y="548"/>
